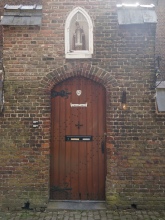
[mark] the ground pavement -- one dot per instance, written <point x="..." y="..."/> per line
<point x="84" y="215"/>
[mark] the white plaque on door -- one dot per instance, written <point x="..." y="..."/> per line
<point x="78" y="105"/>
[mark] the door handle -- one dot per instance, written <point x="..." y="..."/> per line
<point x="103" y="143"/>
<point x="102" y="147"/>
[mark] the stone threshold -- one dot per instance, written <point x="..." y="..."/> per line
<point x="75" y="205"/>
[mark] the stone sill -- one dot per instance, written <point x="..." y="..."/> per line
<point x="78" y="55"/>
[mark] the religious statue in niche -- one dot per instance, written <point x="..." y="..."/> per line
<point x="79" y="38"/>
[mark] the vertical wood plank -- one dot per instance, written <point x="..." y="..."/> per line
<point x="95" y="142"/>
<point x="68" y="145"/>
<point x="74" y="151"/>
<point x="55" y="147"/>
<point x="89" y="155"/>
<point x="62" y="127"/>
<point x="82" y="145"/>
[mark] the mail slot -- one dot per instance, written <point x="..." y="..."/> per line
<point x="78" y="138"/>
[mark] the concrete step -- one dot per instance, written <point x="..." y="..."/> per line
<point x="76" y="205"/>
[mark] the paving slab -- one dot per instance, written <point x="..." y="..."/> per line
<point x="83" y="215"/>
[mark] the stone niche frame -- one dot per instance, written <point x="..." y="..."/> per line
<point x="78" y="54"/>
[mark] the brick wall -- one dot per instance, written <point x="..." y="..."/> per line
<point x="11" y="2"/>
<point x="123" y="59"/>
<point x="160" y="41"/>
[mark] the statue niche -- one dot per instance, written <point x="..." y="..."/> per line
<point x="78" y="38"/>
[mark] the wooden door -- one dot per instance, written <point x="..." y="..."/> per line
<point x="78" y="140"/>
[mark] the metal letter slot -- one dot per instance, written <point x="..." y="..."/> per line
<point x="78" y="138"/>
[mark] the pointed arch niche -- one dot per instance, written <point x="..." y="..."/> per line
<point x="78" y="35"/>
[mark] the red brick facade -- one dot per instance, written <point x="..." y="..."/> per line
<point x="123" y="60"/>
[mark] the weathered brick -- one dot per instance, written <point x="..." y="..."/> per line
<point x="123" y="59"/>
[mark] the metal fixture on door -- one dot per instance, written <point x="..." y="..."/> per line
<point x="78" y="125"/>
<point x="103" y="143"/>
<point x="62" y="93"/>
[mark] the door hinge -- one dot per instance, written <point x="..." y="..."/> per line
<point x="62" y="93"/>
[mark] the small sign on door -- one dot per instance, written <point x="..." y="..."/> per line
<point x="78" y="105"/>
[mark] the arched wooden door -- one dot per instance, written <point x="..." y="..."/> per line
<point x="78" y="160"/>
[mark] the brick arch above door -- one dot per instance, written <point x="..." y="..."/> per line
<point x="87" y="70"/>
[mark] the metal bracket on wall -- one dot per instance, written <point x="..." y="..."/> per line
<point x="62" y="93"/>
